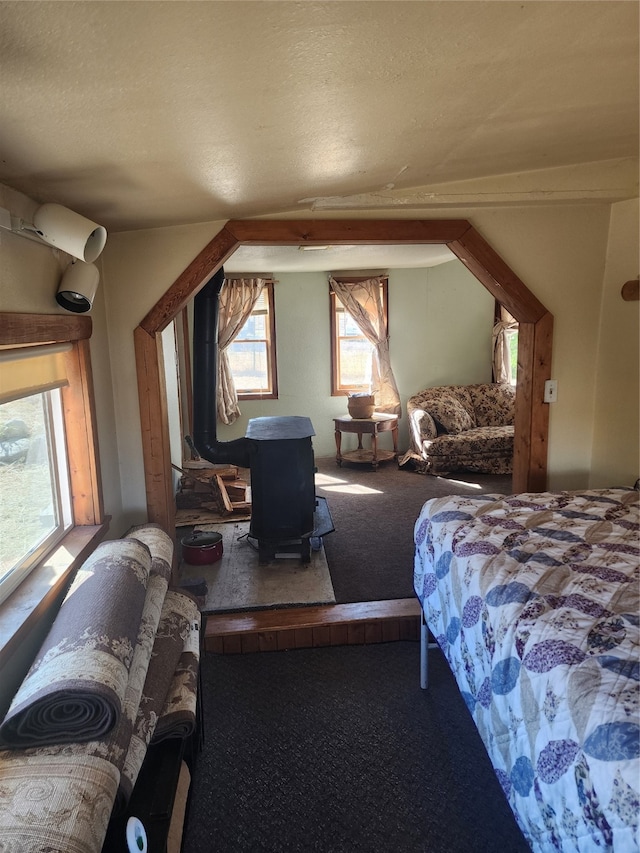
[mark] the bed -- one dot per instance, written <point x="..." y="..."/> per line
<point x="533" y="599"/>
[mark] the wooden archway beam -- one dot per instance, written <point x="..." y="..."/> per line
<point x="534" y="350"/>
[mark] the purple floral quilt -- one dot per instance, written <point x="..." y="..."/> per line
<point x="533" y="599"/>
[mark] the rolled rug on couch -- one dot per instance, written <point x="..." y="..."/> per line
<point x="161" y="548"/>
<point x="116" y="745"/>
<point x="58" y="803"/>
<point x="75" y="689"/>
<point x="173" y="631"/>
<point x="178" y="717"/>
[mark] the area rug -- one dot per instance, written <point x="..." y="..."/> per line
<point x="238" y="582"/>
<point x="76" y="687"/>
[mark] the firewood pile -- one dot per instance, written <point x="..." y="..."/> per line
<point x="209" y="492"/>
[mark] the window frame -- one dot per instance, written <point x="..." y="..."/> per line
<point x="270" y="344"/>
<point x="510" y="334"/>
<point x="28" y="604"/>
<point x="513" y="334"/>
<point x="337" y="388"/>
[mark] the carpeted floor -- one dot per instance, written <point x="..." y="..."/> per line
<point x="370" y="553"/>
<point x="338" y="750"/>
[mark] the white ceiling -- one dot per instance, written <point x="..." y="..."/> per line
<point x="335" y="258"/>
<point x="144" y="114"/>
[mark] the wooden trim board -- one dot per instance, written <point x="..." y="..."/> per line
<point x="308" y="627"/>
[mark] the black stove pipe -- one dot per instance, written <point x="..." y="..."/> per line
<point x="205" y="374"/>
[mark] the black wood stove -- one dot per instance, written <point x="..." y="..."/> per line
<point x="286" y="516"/>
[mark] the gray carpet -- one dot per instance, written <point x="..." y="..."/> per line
<point x="337" y="750"/>
<point x="370" y="553"/>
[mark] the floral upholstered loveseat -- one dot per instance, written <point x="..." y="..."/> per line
<point x="462" y="428"/>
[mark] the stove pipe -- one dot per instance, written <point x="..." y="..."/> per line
<point x="205" y="375"/>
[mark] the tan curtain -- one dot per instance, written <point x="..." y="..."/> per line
<point x="362" y="300"/>
<point x="237" y="299"/>
<point x="501" y="351"/>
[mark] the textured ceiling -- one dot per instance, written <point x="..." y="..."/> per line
<point x="142" y="114"/>
<point x="336" y="258"/>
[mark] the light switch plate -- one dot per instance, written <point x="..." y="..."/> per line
<point x="550" y="391"/>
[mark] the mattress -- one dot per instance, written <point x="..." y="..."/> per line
<point x="533" y="599"/>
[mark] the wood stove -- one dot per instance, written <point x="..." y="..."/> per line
<point x="282" y="485"/>
<point x="286" y="515"/>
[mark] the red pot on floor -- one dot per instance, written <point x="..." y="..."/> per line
<point x="200" y="549"/>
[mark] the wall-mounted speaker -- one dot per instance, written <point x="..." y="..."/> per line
<point x="70" y="232"/>
<point x="78" y="287"/>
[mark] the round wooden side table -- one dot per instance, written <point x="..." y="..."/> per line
<point x="372" y="426"/>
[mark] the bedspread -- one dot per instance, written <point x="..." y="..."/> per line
<point x="533" y="599"/>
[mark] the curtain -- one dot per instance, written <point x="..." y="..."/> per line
<point x="362" y="300"/>
<point x="501" y="351"/>
<point x="237" y="299"/>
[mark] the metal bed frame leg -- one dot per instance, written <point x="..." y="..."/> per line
<point x="425" y="645"/>
<point x="424" y="653"/>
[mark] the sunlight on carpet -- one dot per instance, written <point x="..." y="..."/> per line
<point x="463" y="483"/>
<point x="351" y="489"/>
<point x="333" y="484"/>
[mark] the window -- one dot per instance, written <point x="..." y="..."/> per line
<point x="252" y="352"/>
<point x="351" y="351"/>
<point x="35" y="497"/>
<point x="50" y="492"/>
<point x="512" y="343"/>
<point x="505" y="346"/>
<point x="35" y="500"/>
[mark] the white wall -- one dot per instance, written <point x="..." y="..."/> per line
<point x="139" y="267"/>
<point x="559" y="253"/>
<point x="442" y="334"/>
<point x="616" y="445"/>
<point x="440" y="323"/>
<point x="169" y="352"/>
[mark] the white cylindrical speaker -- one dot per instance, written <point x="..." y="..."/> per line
<point x="78" y="287"/>
<point x="61" y="227"/>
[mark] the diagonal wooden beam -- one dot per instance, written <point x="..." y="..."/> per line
<point x="188" y="283"/>
<point x="489" y="268"/>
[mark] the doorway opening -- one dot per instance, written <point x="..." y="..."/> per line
<point x="534" y="337"/>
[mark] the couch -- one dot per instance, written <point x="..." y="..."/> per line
<point x="461" y="428"/>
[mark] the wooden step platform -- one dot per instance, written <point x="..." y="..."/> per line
<point x="307" y="627"/>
